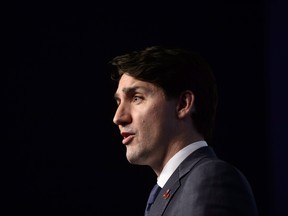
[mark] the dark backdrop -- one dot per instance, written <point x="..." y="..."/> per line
<point x="62" y="155"/>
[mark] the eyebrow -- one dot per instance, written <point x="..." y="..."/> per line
<point x="126" y="90"/>
<point x="130" y="90"/>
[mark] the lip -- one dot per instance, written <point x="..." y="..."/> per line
<point x="127" y="137"/>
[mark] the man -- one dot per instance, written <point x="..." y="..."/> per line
<point x="167" y="101"/>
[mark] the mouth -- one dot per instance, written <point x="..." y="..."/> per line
<point x="127" y="137"/>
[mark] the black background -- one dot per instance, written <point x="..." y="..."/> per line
<point x="62" y="155"/>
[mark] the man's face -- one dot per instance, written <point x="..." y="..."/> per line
<point x="145" y="119"/>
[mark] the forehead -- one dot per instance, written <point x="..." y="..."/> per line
<point x="128" y="80"/>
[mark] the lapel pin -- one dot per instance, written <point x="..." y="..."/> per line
<point x="166" y="194"/>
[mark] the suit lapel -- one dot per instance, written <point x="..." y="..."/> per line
<point x="165" y="195"/>
<point x="170" y="188"/>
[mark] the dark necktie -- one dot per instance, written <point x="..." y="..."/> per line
<point x="153" y="194"/>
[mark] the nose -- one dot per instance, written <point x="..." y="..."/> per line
<point x="122" y="115"/>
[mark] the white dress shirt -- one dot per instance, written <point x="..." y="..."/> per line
<point x="175" y="161"/>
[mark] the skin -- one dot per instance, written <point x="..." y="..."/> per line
<point x="153" y="128"/>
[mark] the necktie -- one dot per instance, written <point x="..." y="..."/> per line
<point x="153" y="194"/>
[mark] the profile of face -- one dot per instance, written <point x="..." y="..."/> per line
<point x="146" y="119"/>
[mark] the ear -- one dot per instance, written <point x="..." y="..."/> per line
<point x="185" y="104"/>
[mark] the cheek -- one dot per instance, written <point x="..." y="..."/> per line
<point x="150" y="119"/>
<point x="155" y="116"/>
<point x="154" y="119"/>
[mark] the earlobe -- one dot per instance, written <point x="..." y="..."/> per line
<point x="185" y="104"/>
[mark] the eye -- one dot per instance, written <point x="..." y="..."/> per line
<point x="137" y="99"/>
<point x="117" y="101"/>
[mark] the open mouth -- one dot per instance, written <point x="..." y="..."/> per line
<point x="127" y="137"/>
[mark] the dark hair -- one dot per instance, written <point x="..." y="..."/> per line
<point x="174" y="70"/>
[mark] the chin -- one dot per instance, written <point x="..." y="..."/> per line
<point x="134" y="160"/>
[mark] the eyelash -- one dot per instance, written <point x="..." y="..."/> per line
<point x="133" y="99"/>
<point x="137" y="98"/>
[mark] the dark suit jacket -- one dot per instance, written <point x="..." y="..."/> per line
<point x="204" y="185"/>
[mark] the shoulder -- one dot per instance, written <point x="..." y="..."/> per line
<point x="213" y="174"/>
<point x="209" y="167"/>
<point x="204" y="161"/>
<point x="203" y="166"/>
<point x="215" y="165"/>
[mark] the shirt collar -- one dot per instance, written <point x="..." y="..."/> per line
<point x="175" y="161"/>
